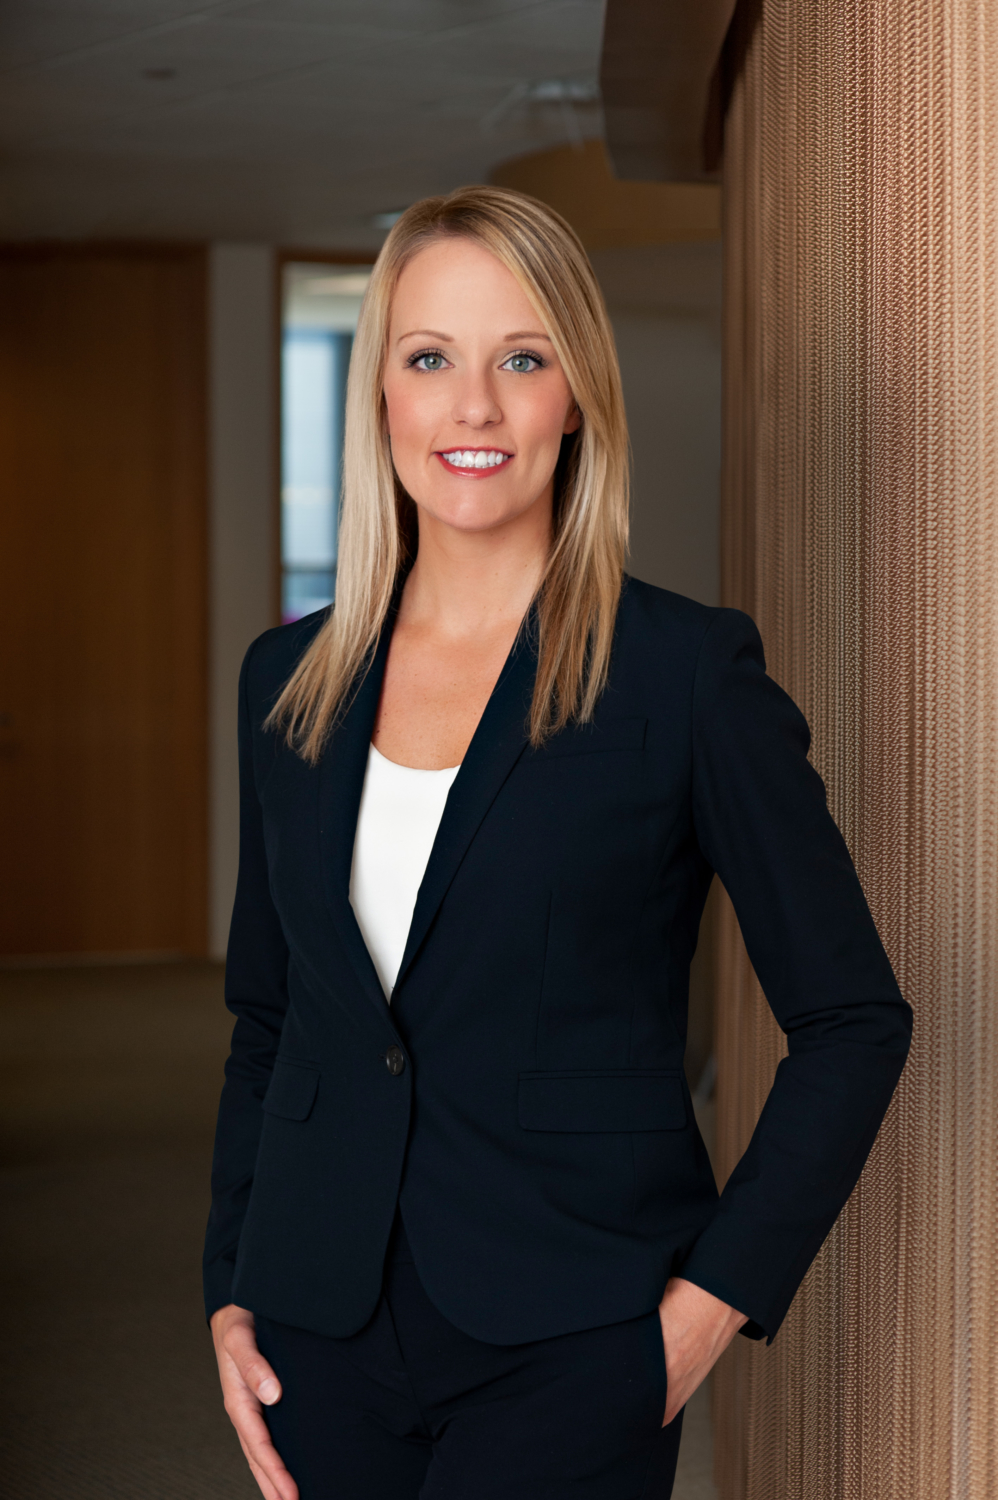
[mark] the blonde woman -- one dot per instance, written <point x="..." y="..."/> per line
<point x="465" y="1242"/>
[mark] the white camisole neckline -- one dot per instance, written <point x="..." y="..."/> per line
<point x="400" y="812"/>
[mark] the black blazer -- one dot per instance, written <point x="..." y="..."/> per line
<point x="523" y="1098"/>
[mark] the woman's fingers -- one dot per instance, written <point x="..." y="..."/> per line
<point x="263" y="1458"/>
<point x="676" y="1400"/>
<point x="265" y="1487"/>
<point x="239" y="1343"/>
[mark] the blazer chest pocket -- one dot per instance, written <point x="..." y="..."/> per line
<point x="611" y="1100"/>
<point x="292" y="1090"/>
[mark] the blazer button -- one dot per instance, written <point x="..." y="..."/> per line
<point x="395" y="1060"/>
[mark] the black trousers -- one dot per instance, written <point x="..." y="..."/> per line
<point x="412" y="1407"/>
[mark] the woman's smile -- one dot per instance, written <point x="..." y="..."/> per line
<point x="474" y="463"/>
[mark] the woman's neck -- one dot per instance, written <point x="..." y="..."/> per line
<point x="466" y="583"/>
<point x="461" y="609"/>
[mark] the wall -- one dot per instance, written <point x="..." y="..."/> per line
<point x="665" y="303"/>
<point x="102" y="599"/>
<point x="605" y="211"/>
<point x="243" y="525"/>
<point x="860" y="528"/>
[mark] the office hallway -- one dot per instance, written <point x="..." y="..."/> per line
<point x="110" y="1080"/>
<point x="110" y="1085"/>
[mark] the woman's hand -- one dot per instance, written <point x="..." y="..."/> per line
<point x="696" y="1329"/>
<point x="248" y="1384"/>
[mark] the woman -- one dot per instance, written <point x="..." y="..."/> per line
<point x="465" y="1240"/>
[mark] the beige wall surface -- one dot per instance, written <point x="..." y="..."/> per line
<point x="243" y="528"/>
<point x="665" y="304"/>
<point x="671" y="373"/>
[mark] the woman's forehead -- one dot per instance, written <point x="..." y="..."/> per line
<point x="454" y="287"/>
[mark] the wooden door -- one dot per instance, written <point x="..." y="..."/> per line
<point x="103" y="697"/>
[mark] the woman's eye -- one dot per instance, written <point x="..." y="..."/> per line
<point x="521" y="364"/>
<point x="428" y="362"/>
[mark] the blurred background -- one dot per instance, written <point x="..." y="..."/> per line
<point x="191" y="197"/>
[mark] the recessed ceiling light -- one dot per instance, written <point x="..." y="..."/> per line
<point x="567" y="90"/>
<point x="567" y="93"/>
<point x="385" y="221"/>
<point x="159" y="74"/>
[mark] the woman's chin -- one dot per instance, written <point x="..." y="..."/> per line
<point x="472" y="515"/>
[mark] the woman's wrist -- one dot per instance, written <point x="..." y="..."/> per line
<point x="697" y="1326"/>
<point x="224" y="1317"/>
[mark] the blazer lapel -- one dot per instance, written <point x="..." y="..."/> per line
<point x="341" y="781"/>
<point x="496" y="745"/>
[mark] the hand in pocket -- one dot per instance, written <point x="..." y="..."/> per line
<point x="697" y="1327"/>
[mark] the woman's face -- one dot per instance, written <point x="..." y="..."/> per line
<point x="476" y="399"/>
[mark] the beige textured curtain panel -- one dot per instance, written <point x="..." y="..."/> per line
<point x="860" y="528"/>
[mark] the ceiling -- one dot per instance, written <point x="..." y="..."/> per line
<point x="292" y="121"/>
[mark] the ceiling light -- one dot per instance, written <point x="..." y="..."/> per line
<point x="567" y="93"/>
<point x="563" y="90"/>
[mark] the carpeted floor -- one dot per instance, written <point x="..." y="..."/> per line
<point x="108" y="1087"/>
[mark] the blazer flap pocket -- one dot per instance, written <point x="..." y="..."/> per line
<point x="583" y="739"/>
<point x="292" y="1090"/>
<point x="621" y="1099"/>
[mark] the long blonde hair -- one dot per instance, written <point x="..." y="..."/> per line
<point x="576" y="601"/>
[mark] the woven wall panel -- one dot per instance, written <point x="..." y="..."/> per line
<point x="860" y="528"/>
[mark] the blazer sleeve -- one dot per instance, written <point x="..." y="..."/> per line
<point x="256" y="992"/>
<point x="763" y="824"/>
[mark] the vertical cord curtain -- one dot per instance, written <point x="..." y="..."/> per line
<point x="860" y="529"/>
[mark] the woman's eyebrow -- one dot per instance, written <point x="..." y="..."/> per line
<point x="447" y="338"/>
<point x="426" y="333"/>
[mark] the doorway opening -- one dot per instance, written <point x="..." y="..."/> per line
<point x="320" y="304"/>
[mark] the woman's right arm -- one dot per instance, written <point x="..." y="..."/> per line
<point x="256" y="992"/>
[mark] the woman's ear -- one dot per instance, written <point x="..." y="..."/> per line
<point x="573" y="421"/>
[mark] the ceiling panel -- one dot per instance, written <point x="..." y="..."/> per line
<point x="44" y="32"/>
<point x="332" y="109"/>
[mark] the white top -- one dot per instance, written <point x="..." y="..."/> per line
<point x="400" y="811"/>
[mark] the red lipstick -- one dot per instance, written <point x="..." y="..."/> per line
<point x="470" y="470"/>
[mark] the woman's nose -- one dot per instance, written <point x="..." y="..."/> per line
<point x="476" y="404"/>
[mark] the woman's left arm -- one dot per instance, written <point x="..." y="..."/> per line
<point x="762" y="822"/>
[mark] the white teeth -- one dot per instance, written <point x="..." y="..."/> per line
<point x="475" y="458"/>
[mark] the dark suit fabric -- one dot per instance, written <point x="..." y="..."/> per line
<point x="412" y="1407"/>
<point x="540" y="1140"/>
